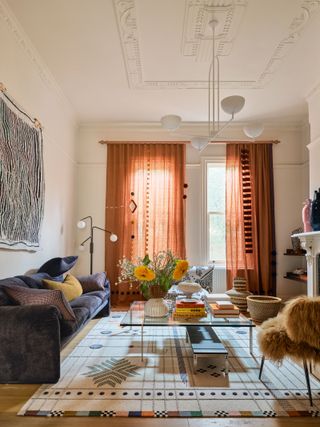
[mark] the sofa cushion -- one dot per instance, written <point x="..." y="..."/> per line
<point x="27" y="296"/>
<point x="35" y="280"/>
<point x="201" y="274"/>
<point x="103" y="295"/>
<point x="89" y="301"/>
<point x="70" y="287"/>
<point x="4" y="297"/>
<point x="68" y="327"/>
<point x="93" y="282"/>
<point x="57" y="266"/>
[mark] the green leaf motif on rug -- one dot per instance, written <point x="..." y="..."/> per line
<point x="112" y="372"/>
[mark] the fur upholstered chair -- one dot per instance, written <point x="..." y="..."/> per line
<point x="294" y="333"/>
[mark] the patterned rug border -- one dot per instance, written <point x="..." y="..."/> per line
<point x="174" y="414"/>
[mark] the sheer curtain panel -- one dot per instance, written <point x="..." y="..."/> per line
<point x="250" y="224"/>
<point x="145" y="204"/>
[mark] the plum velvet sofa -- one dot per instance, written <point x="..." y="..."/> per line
<point x="32" y="335"/>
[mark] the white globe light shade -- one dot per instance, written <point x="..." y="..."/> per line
<point x="81" y="248"/>
<point x="199" y="142"/>
<point x="232" y="104"/>
<point x="170" y="122"/>
<point x="253" y="130"/>
<point x="81" y="224"/>
<point x="113" y="237"/>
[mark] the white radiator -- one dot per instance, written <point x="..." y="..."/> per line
<point x="219" y="280"/>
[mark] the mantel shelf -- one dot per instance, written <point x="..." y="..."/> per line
<point x="296" y="277"/>
<point x="312" y="234"/>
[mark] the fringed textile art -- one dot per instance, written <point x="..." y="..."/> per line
<point x="21" y="177"/>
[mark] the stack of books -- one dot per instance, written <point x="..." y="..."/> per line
<point x="224" y="309"/>
<point x="189" y="309"/>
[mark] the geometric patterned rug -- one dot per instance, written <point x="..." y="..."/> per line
<point x="105" y="377"/>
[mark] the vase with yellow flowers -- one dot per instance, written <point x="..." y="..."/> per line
<point x="155" y="277"/>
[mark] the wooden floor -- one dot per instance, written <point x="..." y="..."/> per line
<point x="12" y="397"/>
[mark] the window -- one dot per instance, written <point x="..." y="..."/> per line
<point x="215" y="211"/>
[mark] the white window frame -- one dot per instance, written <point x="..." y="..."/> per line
<point x="204" y="240"/>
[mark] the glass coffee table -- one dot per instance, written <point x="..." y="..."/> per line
<point x="135" y="317"/>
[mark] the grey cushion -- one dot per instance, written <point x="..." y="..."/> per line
<point x="103" y="295"/>
<point x="93" y="282"/>
<point x="90" y="302"/>
<point x="35" y="280"/>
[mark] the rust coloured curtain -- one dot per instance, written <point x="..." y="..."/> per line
<point x="145" y="206"/>
<point x="250" y="226"/>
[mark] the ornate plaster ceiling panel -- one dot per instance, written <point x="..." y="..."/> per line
<point x="196" y="41"/>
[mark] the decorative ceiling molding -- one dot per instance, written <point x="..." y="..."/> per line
<point x="194" y="41"/>
<point x="197" y="35"/>
<point x="26" y="45"/>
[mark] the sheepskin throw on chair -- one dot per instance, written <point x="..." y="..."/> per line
<point x="21" y="177"/>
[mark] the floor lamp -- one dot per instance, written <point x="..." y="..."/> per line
<point x="81" y="225"/>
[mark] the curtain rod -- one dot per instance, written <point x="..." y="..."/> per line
<point x="244" y="141"/>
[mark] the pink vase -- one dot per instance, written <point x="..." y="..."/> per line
<point x="306" y="215"/>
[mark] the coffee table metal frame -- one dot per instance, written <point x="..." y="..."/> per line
<point x="135" y="317"/>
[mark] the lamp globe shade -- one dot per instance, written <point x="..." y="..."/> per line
<point x="199" y="142"/>
<point x="81" y="224"/>
<point x="81" y="248"/>
<point x="170" y="122"/>
<point x="253" y="130"/>
<point x="113" y="237"/>
<point x="232" y="104"/>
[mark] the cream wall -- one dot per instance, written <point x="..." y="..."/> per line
<point x="314" y="146"/>
<point x="290" y="174"/>
<point x="33" y="88"/>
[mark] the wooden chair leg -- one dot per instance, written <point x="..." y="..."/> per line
<point x="261" y="366"/>
<point x="306" y="372"/>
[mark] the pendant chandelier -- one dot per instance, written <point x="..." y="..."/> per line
<point x="230" y="105"/>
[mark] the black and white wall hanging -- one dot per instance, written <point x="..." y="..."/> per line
<point x="21" y="176"/>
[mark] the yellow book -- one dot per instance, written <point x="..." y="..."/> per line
<point x="179" y="315"/>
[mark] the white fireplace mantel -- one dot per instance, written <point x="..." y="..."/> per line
<point x="311" y="243"/>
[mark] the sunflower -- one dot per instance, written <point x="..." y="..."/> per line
<point x="144" y="273"/>
<point x="180" y="270"/>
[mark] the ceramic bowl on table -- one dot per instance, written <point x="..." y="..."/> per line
<point x="189" y="288"/>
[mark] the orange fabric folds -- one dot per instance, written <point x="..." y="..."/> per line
<point x="250" y="228"/>
<point x="144" y="204"/>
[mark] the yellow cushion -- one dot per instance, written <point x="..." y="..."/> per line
<point x="70" y="287"/>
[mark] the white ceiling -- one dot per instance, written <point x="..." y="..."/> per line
<point x="137" y="60"/>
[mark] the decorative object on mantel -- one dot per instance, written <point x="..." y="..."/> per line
<point x="295" y="241"/>
<point x="155" y="277"/>
<point x="306" y="215"/>
<point x="81" y="225"/>
<point x="22" y="176"/>
<point x="239" y="293"/>
<point x="315" y="212"/>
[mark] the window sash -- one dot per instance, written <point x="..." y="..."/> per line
<point x="216" y="161"/>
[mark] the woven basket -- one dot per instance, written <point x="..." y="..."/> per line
<point x="262" y="307"/>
